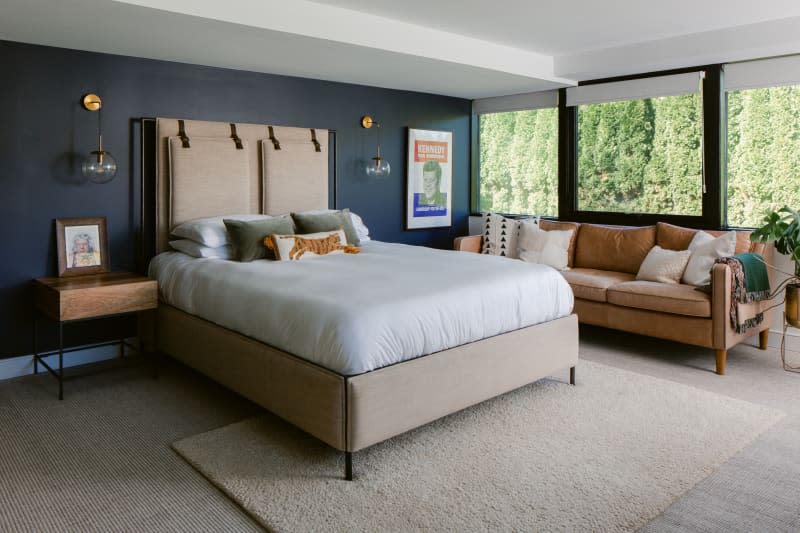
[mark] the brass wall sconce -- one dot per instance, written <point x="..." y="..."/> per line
<point x="99" y="166"/>
<point x="380" y="166"/>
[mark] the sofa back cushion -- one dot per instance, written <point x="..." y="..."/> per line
<point x="617" y="248"/>
<point x="677" y="238"/>
<point x="554" y="225"/>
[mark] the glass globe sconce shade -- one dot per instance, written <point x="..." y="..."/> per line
<point x="378" y="166"/>
<point x="99" y="166"/>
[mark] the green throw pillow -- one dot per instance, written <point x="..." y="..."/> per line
<point x="308" y="223"/>
<point x="247" y="236"/>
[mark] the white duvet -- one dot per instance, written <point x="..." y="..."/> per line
<point x="355" y="313"/>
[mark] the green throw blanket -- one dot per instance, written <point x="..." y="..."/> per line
<point x="750" y="284"/>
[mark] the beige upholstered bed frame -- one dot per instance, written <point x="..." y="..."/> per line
<point x="347" y="412"/>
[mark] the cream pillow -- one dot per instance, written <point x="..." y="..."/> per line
<point x="665" y="266"/>
<point x="297" y="247"/>
<point x="705" y="250"/>
<point x="546" y="247"/>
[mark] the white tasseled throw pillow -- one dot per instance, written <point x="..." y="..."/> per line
<point x="705" y="250"/>
<point x="499" y="235"/>
<point x="546" y="247"/>
<point x="665" y="266"/>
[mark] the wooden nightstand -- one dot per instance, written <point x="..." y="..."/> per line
<point x="74" y="299"/>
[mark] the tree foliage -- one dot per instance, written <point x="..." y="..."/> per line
<point x="645" y="156"/>
<point x="763" y="153"/>
<point x="519" y="162"/>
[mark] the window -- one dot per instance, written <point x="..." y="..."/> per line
<point x="518" y="154"/>
<point x="763" y="108"/>
<point x="640" y="146"/>
<point x="519" y="162"/>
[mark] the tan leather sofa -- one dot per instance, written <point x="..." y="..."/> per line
<point x="603" y="263"/>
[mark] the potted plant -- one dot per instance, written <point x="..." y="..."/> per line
<point x="783" y="227"/>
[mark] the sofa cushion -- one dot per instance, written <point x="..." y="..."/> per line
<point x="555" y="225"/>
<point x="617" y="248"/>
<point x="743" y="242"/>
<point x="591" y="284"/>
<point x="672" y="237"/>
<point x="666" y="298"/>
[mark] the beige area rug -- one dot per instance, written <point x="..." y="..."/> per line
<point x="607" y="455"/>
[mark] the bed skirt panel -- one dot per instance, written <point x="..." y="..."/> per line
<point x="304" y="394"/>
<point x="398" y="398"/>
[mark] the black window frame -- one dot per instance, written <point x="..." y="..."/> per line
<point x="714" y="159"/>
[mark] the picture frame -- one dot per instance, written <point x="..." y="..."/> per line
<point x="81" y="246"/>
<point x="429" y="179"/>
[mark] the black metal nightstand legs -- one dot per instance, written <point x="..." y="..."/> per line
<point x="60" y="360"/>
<point x="35" y="343"/>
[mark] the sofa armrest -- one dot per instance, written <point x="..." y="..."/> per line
<point x="724" y="335"/>
<point x="721" y="283"/>
<point x="470" y="243"/>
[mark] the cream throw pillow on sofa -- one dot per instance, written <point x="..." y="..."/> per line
<point x="546" y="247"/>
<point x="705" y="250"/>
<point x="665" y="266"/>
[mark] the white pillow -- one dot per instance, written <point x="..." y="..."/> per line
<point x="546" y="247"/>
<point x="705" y="250"/>
<point x="284" y="245"/>
<point x="665" y="266"/>
<point x="196" y="249"/>
<point x="500" y="235"/>
<point x="361" y="229"/>
<point x="210" y="231"/>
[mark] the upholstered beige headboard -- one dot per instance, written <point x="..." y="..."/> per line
<point x="215" y="168"/>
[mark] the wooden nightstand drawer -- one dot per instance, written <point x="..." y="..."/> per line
<point x="95" y="295"/>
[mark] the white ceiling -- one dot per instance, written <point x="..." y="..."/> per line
<point x="465" y="48"/>
<point x="570" y="26"/>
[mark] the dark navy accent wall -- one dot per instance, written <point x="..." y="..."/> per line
<point x="44" y="133"/>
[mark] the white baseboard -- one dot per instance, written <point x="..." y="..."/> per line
<point x="792" y="339"/>
<point x="22" y="365"/>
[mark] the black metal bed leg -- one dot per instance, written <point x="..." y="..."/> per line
<point x="348" y="466"/>
<point x="572" y="375"/>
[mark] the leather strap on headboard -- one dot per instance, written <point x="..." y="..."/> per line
<point x="314" y="141"/>
<point x="275" y="143"/>
<point x="236" y="140"/>
<point x="182" y="134"/>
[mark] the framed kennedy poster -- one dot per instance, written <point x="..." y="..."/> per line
<point x="429" y="179"/>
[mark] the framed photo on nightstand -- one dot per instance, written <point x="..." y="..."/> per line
<point x="82" y="246"/>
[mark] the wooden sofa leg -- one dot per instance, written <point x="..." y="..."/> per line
<point x="763" y="339"/>
<point x="722" y="356"/>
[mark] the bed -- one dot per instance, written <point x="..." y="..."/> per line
<point x="328" y="344"/>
